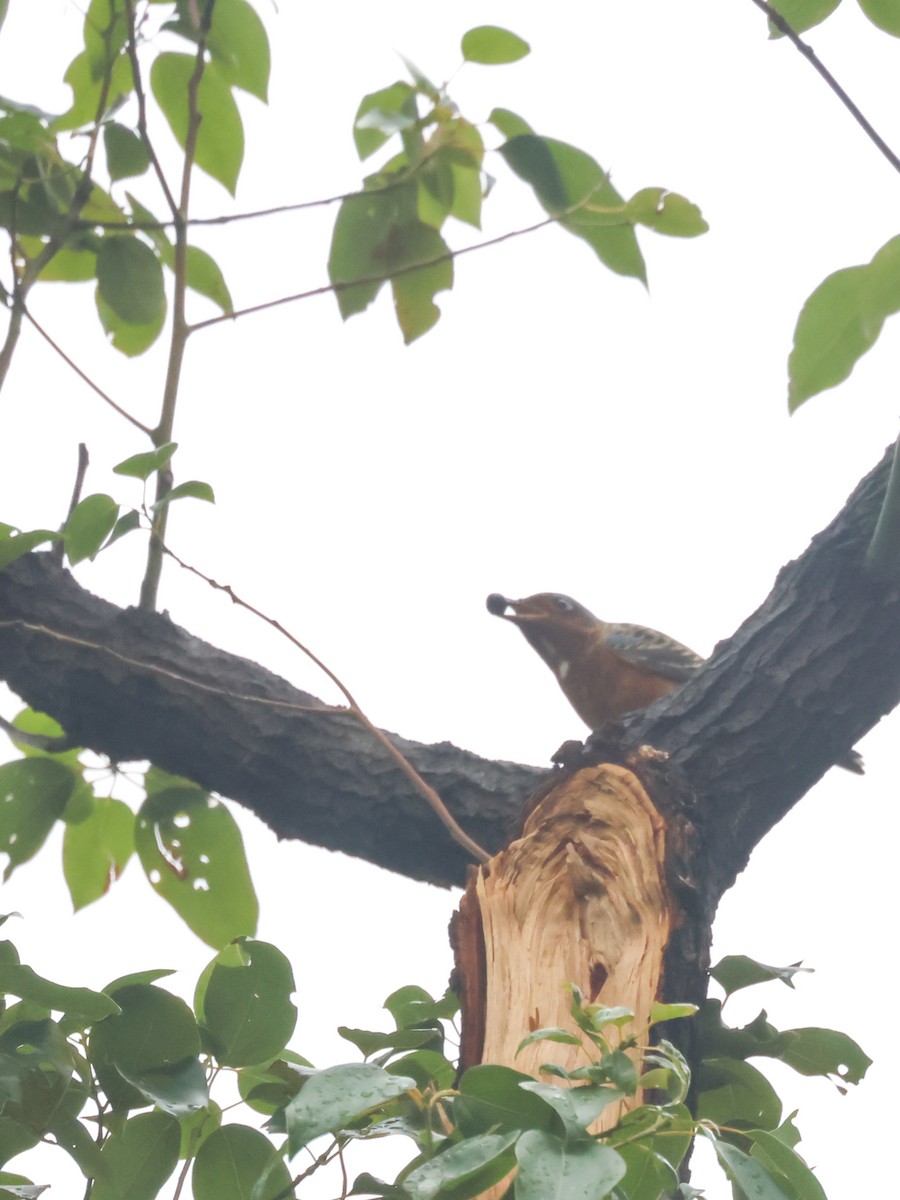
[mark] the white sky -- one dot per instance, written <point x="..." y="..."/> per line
<point x="559" y="430"/>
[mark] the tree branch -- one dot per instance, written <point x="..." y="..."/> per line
<point x="802" y="679"/>
<point x="810" y="55"/>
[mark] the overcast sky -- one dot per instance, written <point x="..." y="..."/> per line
<point x="561" y="429"/>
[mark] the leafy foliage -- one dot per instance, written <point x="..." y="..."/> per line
<point x="392" y="231"/>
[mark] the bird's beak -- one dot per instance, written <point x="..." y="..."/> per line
<point x="500" y="606"/>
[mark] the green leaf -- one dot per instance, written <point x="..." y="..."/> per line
<point x="237" y="41"/>
<point x="883" y="13"/>
<point x="489" y="44"/>
<point x="130" y="279"/>
<point x="30" y="721"/>
<point x="35" y="1069"/>
<point x="127" y="338"/>
<point x="368" y="1043"/>
<point x="142" y="466"/>
<point x="648" y="1176"/>
<point x="96" y="851"/>
<point x="550" y="1034"/>
<point x="243" y="1003"/>
<point x="193" y="854"/>
<point x="266" y="1089"/>
<point x="550" y="1168"/>
<point x="127" y="523"/>
<point x="331" y="1098"/>
<point x="203" y="275"/>
<point x="89" y="526"/>
<point x="36" y="792"/>
<point x="747" y="1173"/>
<point x="126" y="154"/>
<point x="105" y="31"/>
<point x="427" y="1067"/>
<point x="411" y="1006"/>
<point x="239" y="1163"/>
<point x="73" y="1137"/>
<point x="14" y="544"/>
<point x="802" y="14"/>
<point x="732" y="1092"/>
<point x="670" y="1012"/>
<point x="378" y="236"/>
<point x="491" y="1097"/>
<point x="666" y="212"/>
<point x="196" y="1128"/>
<point x="139" y="1160"/>
<point x="70" y="265"/>
<point x="154" y="1029"/>
<point x="825" y="1052"/>
<point x="467" y="1163"/>
<point x="220" y="137"/>
<point x="510" y="124"/>
<point x="414" y="291"/>
<point x="239" y="44"/>
<point x="178" y="1088"/>
<point x="578" y="1107"/>
<point x="737" y="971"/>
<point x="22" y="981"/>
<point x="381" y="114"/>
<point x="195" y="488"/>
<point x="565" y="178"/>
<point x="785" y="1164"/>
<point x="840" y="321"/>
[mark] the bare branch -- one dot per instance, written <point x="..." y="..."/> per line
<point x="808" y="53"/>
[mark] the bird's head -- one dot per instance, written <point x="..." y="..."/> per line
<point x="555" y="625"/>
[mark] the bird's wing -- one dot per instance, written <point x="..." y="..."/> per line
<point x="653" y="651"/>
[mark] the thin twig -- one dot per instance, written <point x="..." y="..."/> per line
<point x="141" y="97"/>
<point x="807" y="51"/>
<point x="425" y="790"/>
<point x="180" y="329"/>
<point x="57" y="551"/>
<point x="86" y="378"/>
<point x="344" y="285"/>
<point x="232" y="218"/>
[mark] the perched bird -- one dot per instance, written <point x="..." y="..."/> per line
<point x="605" y="670"/>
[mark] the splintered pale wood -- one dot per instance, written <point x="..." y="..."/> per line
<point x="581" y="897"/>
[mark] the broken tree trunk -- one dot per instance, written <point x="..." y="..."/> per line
<point x="582" y="896"/>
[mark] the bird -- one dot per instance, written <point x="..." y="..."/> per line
<point x="606" y="669"/>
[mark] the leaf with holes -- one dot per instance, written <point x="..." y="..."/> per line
<point x="33" y="794"/>
<point x="243" y="1003"/>
<point x="193" y="854"/>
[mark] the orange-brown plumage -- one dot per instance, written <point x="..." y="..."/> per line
<point x="604" y="669"/>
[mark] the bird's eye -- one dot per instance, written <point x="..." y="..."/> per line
<point x="563" y="603"/>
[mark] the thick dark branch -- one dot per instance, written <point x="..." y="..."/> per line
<point x="794" y="688"/>
<point x="797" y="685"/>
<point x="132" y="685"/>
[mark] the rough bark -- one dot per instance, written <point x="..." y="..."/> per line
<point x="799" y="682"/>
<point x="133" y="685"/>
